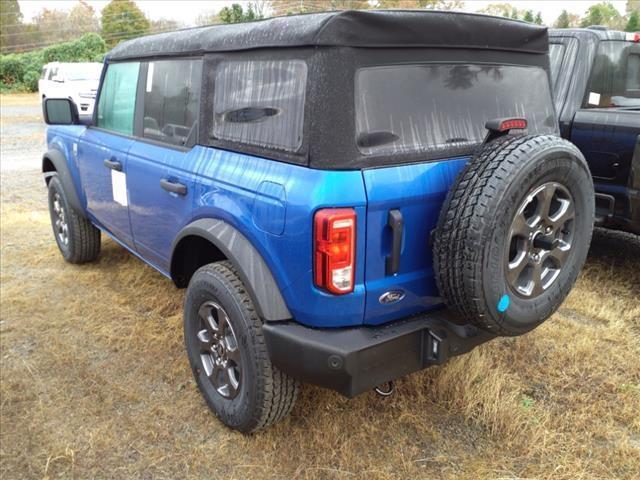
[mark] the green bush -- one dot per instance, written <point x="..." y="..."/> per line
<point x="90" y="47"/>
<point x="20" y="71"/>
<point x="11" y="69"/>
<point x="30" y="80"/>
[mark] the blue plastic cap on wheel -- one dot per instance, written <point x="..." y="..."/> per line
<point x="503" y="304"/>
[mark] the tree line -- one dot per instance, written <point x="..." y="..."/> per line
<point x="123" y="19"/>
<point x="81" y="34"/>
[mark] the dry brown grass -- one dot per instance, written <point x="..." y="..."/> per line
<point x="95" y="383"/>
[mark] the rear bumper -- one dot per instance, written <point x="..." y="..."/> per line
<point x="354" y="360"/>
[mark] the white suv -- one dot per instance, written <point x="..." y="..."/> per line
<point x="76" y="81"/>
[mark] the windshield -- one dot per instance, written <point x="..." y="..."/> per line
<point x="615" y="79"/>
<point x="414" y="108"/>
<point x="83" y="71"/>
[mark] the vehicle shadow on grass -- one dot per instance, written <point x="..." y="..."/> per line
<point x="614" y="248"/>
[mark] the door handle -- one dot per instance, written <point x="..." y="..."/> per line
<point x="113" y="164"/>
<point x="396" y="223"/>
<point x="173" y="187"/>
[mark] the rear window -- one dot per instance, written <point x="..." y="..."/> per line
<point x="83" y="71"/>
<point x="413" y="108"/>
<point x="615" y="78"/>
<point x="260" y="103"/>
<point x="556" y="55"/>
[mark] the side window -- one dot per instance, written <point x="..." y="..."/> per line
<point x="43" y="74"/>
<point x="52" y="73"/>
<point x="171" y="100"/>
<point x="260" y="103"/>
<point x="116" y="106"/>
<point x="615" y="78"/>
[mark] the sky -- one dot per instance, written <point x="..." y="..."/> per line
<point x="186" y="11"/>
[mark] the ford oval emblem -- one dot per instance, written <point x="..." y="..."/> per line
<point x="392" y="296"/>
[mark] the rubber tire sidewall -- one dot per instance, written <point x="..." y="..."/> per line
<point x="525" y="314"/>
<point x="67" y="251"/>
<point x="238" y="412"/>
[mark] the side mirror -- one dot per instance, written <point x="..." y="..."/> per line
<point x="60" y="111"/>
<point x="58" y="78"/>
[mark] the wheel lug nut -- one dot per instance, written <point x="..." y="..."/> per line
<point x="548" y="230"/>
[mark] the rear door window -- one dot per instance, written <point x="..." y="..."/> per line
<point x="171" y="100"/>
<point x="117" y="103"/>
<point x="260" y="103"/>
<point x="412" y="108"/>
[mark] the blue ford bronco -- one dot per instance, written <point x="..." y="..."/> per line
<point x="596" y="83"/>
<point x="348" y="197"/>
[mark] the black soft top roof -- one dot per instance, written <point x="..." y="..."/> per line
<point x="373" y="29"/>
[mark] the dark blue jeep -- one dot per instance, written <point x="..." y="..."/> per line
<point x="596" y="76"/>
<point x="348" y="197"/>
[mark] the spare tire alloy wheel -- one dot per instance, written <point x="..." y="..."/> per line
<point x="540" y="239"/>
<point x="514" y="232"/>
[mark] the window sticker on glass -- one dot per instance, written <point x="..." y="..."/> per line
<point x="594" y="98"/>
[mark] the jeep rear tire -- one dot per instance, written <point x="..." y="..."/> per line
<point x="228" y="354"/>
<point x="514" y="232"/>
<point x="77" y="238"/>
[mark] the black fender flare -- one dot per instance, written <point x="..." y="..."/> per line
<point x="251" y="267"/>
<point x="64" y="175"/>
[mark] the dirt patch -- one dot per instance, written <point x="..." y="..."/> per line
<point x="95" y="383"/>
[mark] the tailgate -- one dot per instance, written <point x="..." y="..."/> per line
<point x="417" y="192"/>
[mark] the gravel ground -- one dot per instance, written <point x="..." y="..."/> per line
<point x="22" y="136"/>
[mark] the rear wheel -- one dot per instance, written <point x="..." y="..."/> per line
<point x="228" y="354"/>
<point x="514" y="232"/>
<point x="77" y="238"/>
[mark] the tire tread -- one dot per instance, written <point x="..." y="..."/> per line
<point x="465" y="218"/>
<point x="277" y="390"/>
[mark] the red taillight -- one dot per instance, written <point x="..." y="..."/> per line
<point x="334" y="247"/>
<point x="633" y="37"/>
<point x="512" y="124"/>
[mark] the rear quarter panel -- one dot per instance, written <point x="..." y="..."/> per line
<point x="272" y="204"/>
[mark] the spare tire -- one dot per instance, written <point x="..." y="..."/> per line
<point x="514" y="232"/>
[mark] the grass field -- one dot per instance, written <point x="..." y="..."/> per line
<point x="95" y="382"/>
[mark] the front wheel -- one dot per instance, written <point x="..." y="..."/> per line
<point x="228" y="355"/>
<point x="514" y="232"/>
<point x="77" y="239"/>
